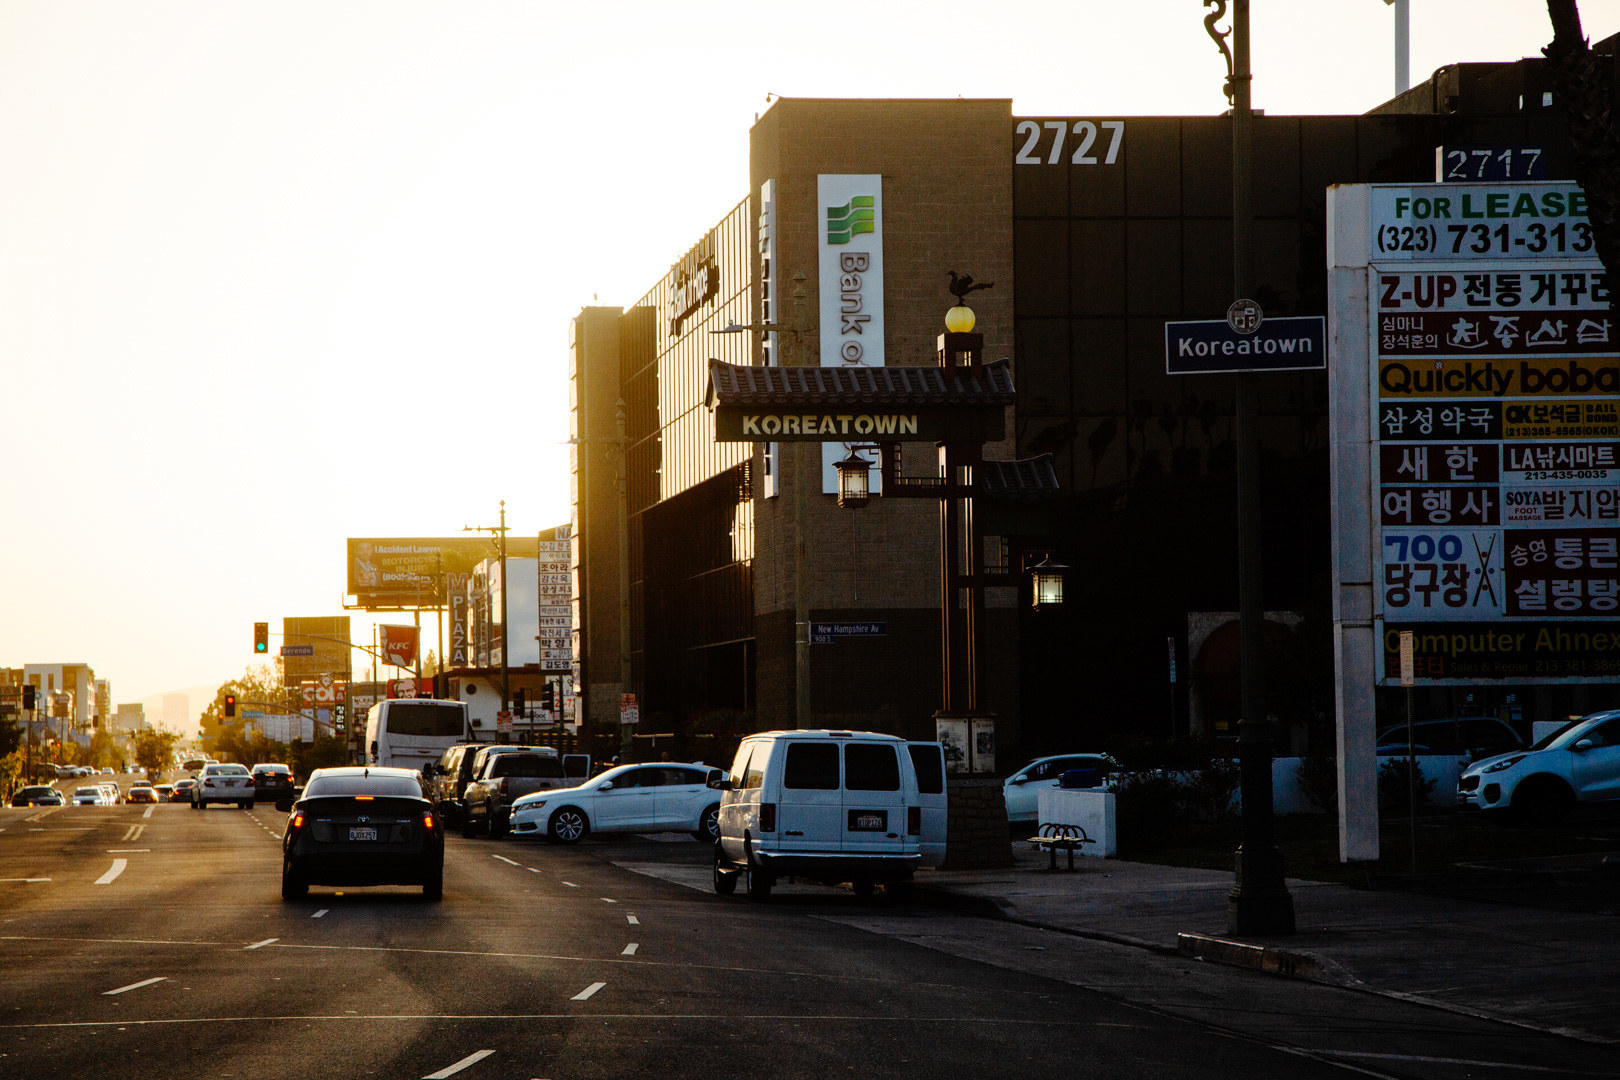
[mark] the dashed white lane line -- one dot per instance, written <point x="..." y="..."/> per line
<point x="451" y="1070"/>
<point x="129" y="850"/>
<point x="262" y="944"/>
<point x="135" y="986"/>
<point x="632" y="920"/>
<point x="531" y="870"/>
<point x="570" y="884"/>
<point x="630" y="949"/>
<point x="606" y="900"/>
<point x="320" y="913"/>
<point x="117" y="868"/>
<point x="588" y="991"/>
<point x="505" y="860"/>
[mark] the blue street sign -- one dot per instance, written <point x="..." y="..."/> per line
<point x="822" y="633"/>
<point x="1208" y="346"/>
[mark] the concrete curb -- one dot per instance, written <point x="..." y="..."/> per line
<point x="1273" y="961"/>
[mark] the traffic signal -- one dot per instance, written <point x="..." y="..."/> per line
<point x="548" y="697"/>
<point x="519" y="699"/>
<point x="230" y="704"/>
<point x="28" y="697"/>
<point x="261" y="637"/>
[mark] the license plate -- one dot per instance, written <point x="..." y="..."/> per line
<point x="362" y="832"/>
<point x="868" y="821"/>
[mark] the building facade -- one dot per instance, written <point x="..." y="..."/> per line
<point x="1095" y="231"/>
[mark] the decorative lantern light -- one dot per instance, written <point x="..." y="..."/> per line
<point x="854" y="488"/>
<point x="960" y="319"/>
<point x="1048" y="581"/>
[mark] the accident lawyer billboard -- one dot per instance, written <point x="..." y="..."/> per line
<point x="388" y="574"/>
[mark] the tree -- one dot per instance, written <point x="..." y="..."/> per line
<point x="154" y="750"/>
<point x="1588" y="88"/>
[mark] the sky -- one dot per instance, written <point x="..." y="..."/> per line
<point x="276" y="275"/>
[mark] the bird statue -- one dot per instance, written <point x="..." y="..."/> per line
<point x="962" y="284"/>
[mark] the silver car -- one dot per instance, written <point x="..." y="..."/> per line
<point x="223" y="783"/>
<point x="1577" y="764"/>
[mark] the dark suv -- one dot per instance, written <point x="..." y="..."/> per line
<point x="273" y="784"/>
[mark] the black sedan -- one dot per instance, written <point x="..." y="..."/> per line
<point x="37" y="795"/>
<point x="273" y="784"/>
<point x="362" y="826"/>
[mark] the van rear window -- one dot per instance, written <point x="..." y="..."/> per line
<point x="811" y="765"/>
<point x="871" y="768"/>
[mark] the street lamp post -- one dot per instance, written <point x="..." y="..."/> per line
<point x="500" y="533"/>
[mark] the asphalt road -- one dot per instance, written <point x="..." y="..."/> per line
<point x="151" y="941"/>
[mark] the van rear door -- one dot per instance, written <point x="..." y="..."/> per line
<point x="810" y="810"/>
<point x="874" y="820"/>
<point x="928" y="762"/>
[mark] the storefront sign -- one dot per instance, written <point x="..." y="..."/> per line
<point x="1208" y="346"/>
<point x="735" y="423"/>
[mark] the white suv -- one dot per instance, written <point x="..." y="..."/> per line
<point x="1578" y="763"/>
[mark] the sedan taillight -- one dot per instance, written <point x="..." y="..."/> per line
<point x="427" y="822"/>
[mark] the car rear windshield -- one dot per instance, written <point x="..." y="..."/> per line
<point x="227" y="770"/>
<point x="412" y="718"/>
<point x="404" y="787"/>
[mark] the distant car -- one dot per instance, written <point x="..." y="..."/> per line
<point x="114" y="796"/>
<point x="273" y="784"/>
<point x="363" y="826"/>
<point x="1476" y="736"/>
<point x="30" y="796"/>
<point x="163" y="791"/>
<point x="89" y="796"/>
<point x="1022" y="790"/>
<point x="181" y="792"/>
<point x="141" y="793"/>
<point x="661" y="797"/>
<point x="223" y="783"/>
<point x="1577" y="764"/>
<point x="53" y="798"/>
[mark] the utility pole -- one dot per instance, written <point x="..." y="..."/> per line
<point x="500" y="533"/>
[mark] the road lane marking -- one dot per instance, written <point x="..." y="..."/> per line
<point x="632" y="920"/>
<point x="630" y="949"/>
<point x="117" y="868"/>
<point x="133" y="833"/>
<point x="930" y="1021"/>
<point x="262" y="944"/>
<point x="570" y="884"/>
<point x="588" y="991"/>
<point x="149" y="810"/>
<point x="451" y="1070"/>
<point x="606" y="900"/>
<point x="135" y="986"/>
<point x="320" y="913"/>
<point x="129" y="851"/>
<point x="531" y="870"/>
<point x="504" y="859"/>
<point x="27" y="879"/>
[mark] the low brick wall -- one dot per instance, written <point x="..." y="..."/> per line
<point x="976" y="834"/>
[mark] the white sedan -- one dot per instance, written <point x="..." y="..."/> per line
<point x="659" y="797"/>
<point x="223" y="783"/>
<point x="1022" y="790"/>
<point x="89" y="796"/>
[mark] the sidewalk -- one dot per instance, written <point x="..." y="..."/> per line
<point x="1551" y="970"/>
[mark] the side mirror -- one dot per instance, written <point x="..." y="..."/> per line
<point x="1583" y="746"/>
<point x="717" y="780"/>
<point x="606" y="785"/>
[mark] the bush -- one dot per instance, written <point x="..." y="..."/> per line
<point x="1392" y="790"/>
<point x="1167" y="788"/>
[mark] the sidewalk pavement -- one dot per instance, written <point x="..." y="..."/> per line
<point x="1534" y="966"/>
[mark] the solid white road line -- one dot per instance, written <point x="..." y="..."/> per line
<point x="630" y="949"/>
<point x="27" y="879"/>
<point x="128" y="850"/>
<point x="588" y="991"/>
<point x="451" y="1070"/>
<point x="262" y="944"/>
<point x="504" y="859"/>
<point x="117" y="868"/>
<point x="135" y="986"/>
<point x="320" y="913"/>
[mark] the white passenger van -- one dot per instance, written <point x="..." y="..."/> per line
<point x="829" y="807"/>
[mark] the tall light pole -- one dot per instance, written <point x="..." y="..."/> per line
<point x="500" y="533"/>
<point x="1259" y="901"/>
<point x="1403" y="44"/>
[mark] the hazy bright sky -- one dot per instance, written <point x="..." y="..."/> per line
<point x="277" y="274"/>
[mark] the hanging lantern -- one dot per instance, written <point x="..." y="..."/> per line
<point x="854" y="486"/>
<point x="1048" y="582"/>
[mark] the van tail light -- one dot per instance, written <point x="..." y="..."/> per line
<point x="503" y="787"/>
<point x="767" y="817"/>
<point x="913" y="821"/>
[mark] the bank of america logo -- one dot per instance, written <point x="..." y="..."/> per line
<point x="858" y="216"/>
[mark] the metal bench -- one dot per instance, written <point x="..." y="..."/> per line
<point x="1057" y="837"/>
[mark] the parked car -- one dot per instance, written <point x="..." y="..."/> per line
<point x="224" y="783"/>
<point x="663" y="797"/>
<point x="141" y="793"/>
<point x="826" y="806"/>
<point x="89" y="796"/>
<point x="1022" y="790"/>
<point x="1476" y="736"/>
<point x="447" y="779"/>
<point x="30" y="796"/>
<point x="503" y="778"/>
<point x="273" y="784"/>
<point x="1576" y="765"/>
<point x="363" y="826"/>
<point x="181" y="792"/>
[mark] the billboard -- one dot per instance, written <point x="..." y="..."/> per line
<point x="393" y="573"/>
<point x="326" y="637"/>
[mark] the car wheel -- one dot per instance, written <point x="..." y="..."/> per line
<point x="433" y="887"/>
<point x="1542" y="801"/>
<point x="248" y="805"/>
<point x="568" y="825"/>
<point x="293" y="885"/>
<point x="468" y="831"/>
<point x="708" y="830"/>
<point x="759" y="885"/>
<point x="725" y="881"/>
